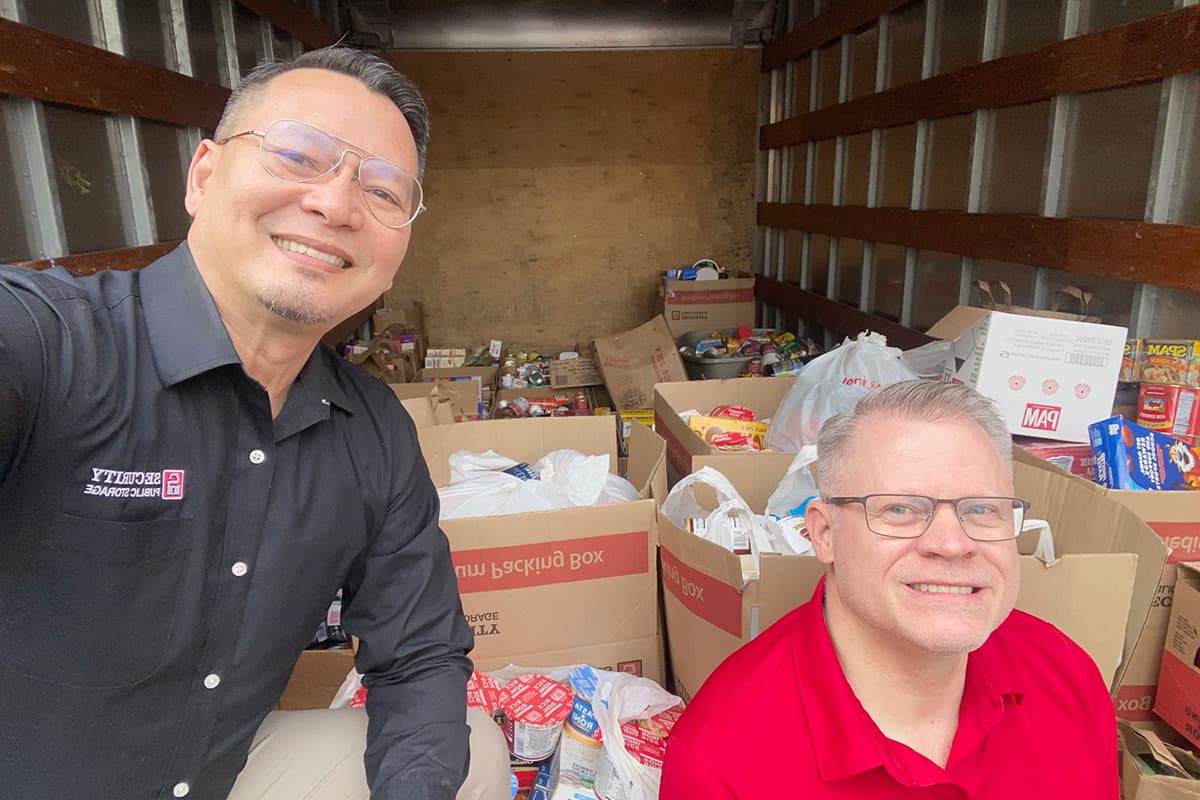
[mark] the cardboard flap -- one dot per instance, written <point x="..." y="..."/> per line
<point x="960" y="320"/>
<point x="1086" y="520"/>
<point x="647" y="462"/>
<point x="634" y="361"/>
<point x="1100" y="590"/>
<point x="519" y="439"/>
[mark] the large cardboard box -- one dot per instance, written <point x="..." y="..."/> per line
<point x="633" y="361"/>
<point x="1098" y="591"/>
<point x="707" y="305"/>
<point x="474" y="385"/>
<point x="1051" y="377"/>
<point x="1178" y="697"/>
<point x="1175" y="517"/>
<point x="1153" y="768"/>
<point x="559" y="587"/>
<point x="686" y="451"/>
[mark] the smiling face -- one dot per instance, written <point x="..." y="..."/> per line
<point x="941" y="593"/>
<point x="308" y="253"/>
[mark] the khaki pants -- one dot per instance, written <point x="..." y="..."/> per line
<point x="318" y="755"/>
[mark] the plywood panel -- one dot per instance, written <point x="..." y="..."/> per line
<point x="561" y="184"/>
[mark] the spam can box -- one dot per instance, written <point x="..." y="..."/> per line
<point x="1131" y="361"/>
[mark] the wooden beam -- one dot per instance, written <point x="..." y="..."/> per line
<point x="1166" y="255"/>
<point x="88" y="263"/>
<point x="290" y="17"/>
<point x="46" y="67"/>
<point x="1150" y="49"/>
<point x="846" y="18"/>
<point x="832" y="315"/>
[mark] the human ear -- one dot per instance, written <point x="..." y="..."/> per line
<point x="819" y="519"/>
<point x="199" y="174"/>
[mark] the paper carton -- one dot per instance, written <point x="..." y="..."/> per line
<point x="1153" y="768"/>
<point x="1098" y="592"/>
<point x="707" y="305"/>
<point x="632" y="362"/>
<point x="686" y="450"/>
<point x="571" y="372"/>
<point x="558" y="587"/>
<point x="1051" y="377"/>
<point x="1178" y="698"/>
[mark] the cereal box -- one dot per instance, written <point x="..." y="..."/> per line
<point x="1171" y="361"/>
<point x="1129" y="456"/>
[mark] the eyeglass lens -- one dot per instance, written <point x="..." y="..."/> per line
<point x="294" y="151"/>
<point x="982" y="518"/>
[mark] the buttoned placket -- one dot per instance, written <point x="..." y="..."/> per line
<point x="249" y="490"/>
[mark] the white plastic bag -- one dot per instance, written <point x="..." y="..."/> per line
<point x="832" y="384"/>
<point x="621" y="697"/>
<point x="731" y="524"/>
<point x="797" y="487"/>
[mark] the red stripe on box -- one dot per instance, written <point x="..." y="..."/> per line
<point x="706" y="597"/>
<point x="704" y="297"/>
<point x="677" y="455"/>
<point x="491" y="569"/>
<point x="1135" y="703"/>
<point x="1176" y="687"/>
<point x="1183" y="538"/>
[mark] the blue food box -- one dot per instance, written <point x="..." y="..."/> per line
<point x="1129" y="456"/>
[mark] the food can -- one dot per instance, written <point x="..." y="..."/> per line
<point x="521" y="404"/>
<point x="579" y="749"/>
<point x="506" y="410"/>
<point x="535" y="708"/>
<point x="546" y="404"/>
<point x="580" y="402"/>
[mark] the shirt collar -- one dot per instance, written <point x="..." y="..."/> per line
<point x="845" y="739"/>
<point x="188" y="337"/>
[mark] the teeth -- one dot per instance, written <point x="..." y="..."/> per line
<point x="296" y="247"/>
<point x="938" y="588"/>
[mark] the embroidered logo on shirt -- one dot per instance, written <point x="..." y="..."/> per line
<point x="166" y="484"/>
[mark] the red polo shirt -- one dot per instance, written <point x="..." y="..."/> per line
<point x="778" y="719"/>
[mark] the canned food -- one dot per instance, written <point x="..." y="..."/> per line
<point x="535" y="708"/>
<point x="546" y="404"/>
<point x="521" y="404"/>
<point x="506" y="410"/>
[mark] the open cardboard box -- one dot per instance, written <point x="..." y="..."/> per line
<point x="552" y="588"/>
<point x="1098" y="591"/>
<point x="686" y="451"/>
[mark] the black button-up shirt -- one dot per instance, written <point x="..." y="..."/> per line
<point x="167" y="548"/>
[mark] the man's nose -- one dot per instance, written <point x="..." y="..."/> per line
<point x="945" y="534"/>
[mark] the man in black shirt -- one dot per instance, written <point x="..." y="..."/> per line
<point x="187" y="478"/>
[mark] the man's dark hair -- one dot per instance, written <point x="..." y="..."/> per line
<point x="369" y="69"/>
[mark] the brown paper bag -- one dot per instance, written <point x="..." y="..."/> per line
<point x="997" y="296"/>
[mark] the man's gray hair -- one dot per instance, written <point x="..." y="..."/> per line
<point x="928" y="401"/>
<point x="369" y="69"/>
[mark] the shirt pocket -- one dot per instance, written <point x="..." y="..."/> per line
<point x="98" y="603"/>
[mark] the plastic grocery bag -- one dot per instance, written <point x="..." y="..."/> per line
<point x="731" y="524"/>
<point x="798" y="486"/>
<point x="489" y="484"/>
<point x="621" y="697"/>
<point x="832" y="384"/>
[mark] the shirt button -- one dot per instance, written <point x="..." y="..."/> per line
<point x="324" y="401"/>
<point x="239" y="568"/>
<point x="257" y="456"/>
<point x="181" y="789"/>
<point x="212" y="681"/>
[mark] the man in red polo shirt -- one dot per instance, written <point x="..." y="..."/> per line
<point x="908" y="674"/>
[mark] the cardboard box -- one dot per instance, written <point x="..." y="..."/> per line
<point x="429" y="404"/>
<point x="632" y="362"/>
<point x="1178" y="698"/>
<point x="707" y="305"/>
<point x="1051" y="377"/>
<point x="571" y="372"/>
<point x="317" y="676"/>
<point x="558" y="587"/>
<point x="475" y="402"/>
<point x="1075" y="457"/>
<point x="686" y="450"/>
<point x="1153" y="768"/>
<point x="1098" y="592"/>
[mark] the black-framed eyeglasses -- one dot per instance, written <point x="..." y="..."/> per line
<point x="908" y="516"/>
<point x="295" y="151"/>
